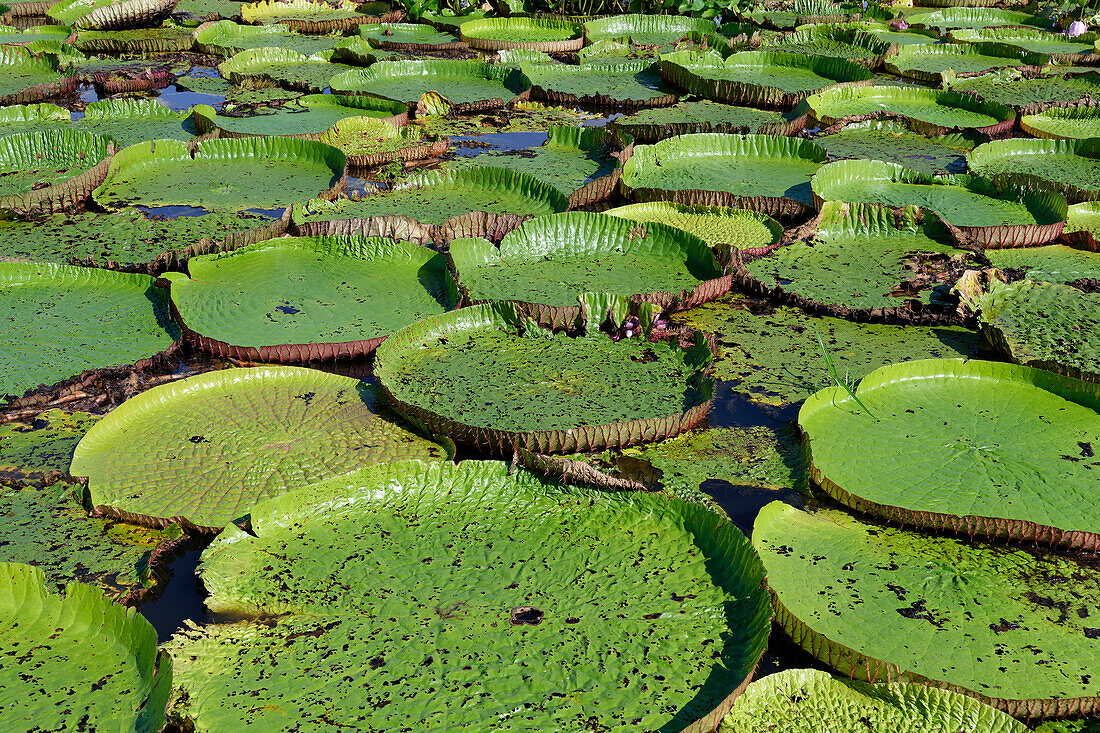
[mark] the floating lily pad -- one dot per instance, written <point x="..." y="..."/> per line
<point x="1046" y="44"/>
<point x="1062" y="123"/>
<point x="1071" y="167"/>
<point x="646" y="30"/>
<point x="211" y="10"/>
<point x="538" y="34"/>
<point x="927" y="62"/>
<point x="1045" y="325"/>
<point x="11" y="36"/>
<point x="166" y="39"/>
<point x="488" y="378"/>
<point x="791" y="699"/>
<point x="277" y="428"/>
<point x="862" y="262"/>
<point x="112" y="15"/>
<point x="1083" y="225"/>
<point x="298" y="299"/>
<point x="672" y="582"/>
<point x="226" y="38"/>
<point x="545" y="264"/>
<point x="130" y="121"/>
<point x="758" y="78"/>
<point x="51" y="170"/>
<point x="461" y="82"/>
<point x="773" y="355"/>
<point x="25" y="77"/>
<point x="760" y="172"/>
<point x="436" y="197"/>
<point x="1022" y="433"/>
<point x="33" y="117"/>
<point x="895" y="142"/>
<point x="625" y="84"/>
<point x="929" y="111"/>
<point x="878" y="602"/>
<point x="311" y="16"/>
<point x="993" y="218"/>
<point x="61" y="320"/>
<point x="975" y="18"/>
<point x="887" y="33"/>
<point x="42" y="446"/>
<point x="651" y="125"/>
<point x="827" y="40"/>
<point x="307" y="117"/>
<point x="284" y="67"/>
<point x="1008" y="86"/>
<point x="79" y="660"/>
<point x="409" y="37"/>
<point x="225" y="175"/>
<point x="720" y="227"/>
<point x="1054" y="263"/>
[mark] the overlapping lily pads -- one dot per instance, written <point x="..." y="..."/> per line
<point x="1054" y="263"/>
<point x="299" y="299"/>
<point x="1045" y="325"/>
<point x="409" y="37"/>
<point x="312" y="16"/>
<point x="879" y="603"/>
<point x="277" y="428"/>
<point x="800" y="700"/>
<point x="951" y="18"/>
<point x="26" y="78"/>
<point x="625" y="84"/>
<point x="545" y="264"/>
<point x="226" y="38"/>
<point x="164" y="39"/>
<point x="1083" y="225"/>
<point x="1061" y="123"/>
<point x="1027" y="429"/>
<point x="827" y="40"/>
<point x="1043" y="44"/>
<point x="760" y="172"/>
<point x="895" y="142"/>
<point x="12" y="36"/>
<point x="672" y="583"/>
<point x="112" y="15"/>
<point x="704" y="115"/>
<point x="1030" y="95"/>
<point x="550" y="35"/>
<point x="928" y="62"/>
<point x="722" y="228"/>
<point x="1071" y="167"/>
<point x="225" y="175"/>
<point x="51" y="170"/>
<point x="306" y="117"/>
<point x="758" y="78"/>
<point x="929" y="111"/>
<point x="476" y="84"/>
<point x="77" y="660"/>
<point x="490" y="378"/>
<point x="973" y="205"/>
<point x="285" y="67"/>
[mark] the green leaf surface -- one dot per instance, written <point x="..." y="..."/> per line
<point x="1004" y="444"/>
<point x="19" y="70"/>
<point x="967" y="17"/>
<point x="1072" y="166"/>
<point x="803" y="700"/>
<point x="284" y="67"/>
<point x="59" y="321"/>
<point x="226" y="38"/>
<point x="894" y="142"/>
<point x="278" y="11"/>
<point x="1062" y="123"/>
<point x="221" y="175"/>
<point x="701" y="115"/>
<point x="388" y="598"/>
<point x="520" y="31"/>
<point x="10" y="35"/>
<point x="927" y="61"/>
<point x="42" y="446"/>
<point x="311" y="114"/>
<point x="1054" y="263"/>
<point x="311" y="290"/>
<point x="773" y="356"/>
<point x="646" y="30"/>
<point x="1009" y="87"/>
<point x="1038" y="41"/>
<point x="633" y="82"/>
<point x="78" y="660"/>
<point x="276" y="428"/>
<point x="32" y="160"/>
<point x="827" y="40"/>
<point x="459" y="81"/>
<point x="391" y="34"/>
<point x="715" y="225"/>
<point x="995" y="622"/>
<point x="932" y="106"/>
<point x="129" y="121"/>
<point x="792" y="73"/>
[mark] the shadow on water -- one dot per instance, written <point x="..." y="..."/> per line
<point x="181" y="600"/>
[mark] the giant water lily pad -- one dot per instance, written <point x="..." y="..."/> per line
<point x="490" y="378"/>
<point x="59" y="321"/>
<point x="1043" y="44"/>
<point x="33" y="117"/>
<point x="11" y="36"/>
<point x="433" y="198"/>
<point x="772" y="355"/>
<point x="930" y="111"/>
<point x="226" y="175"/>
<point x="947" y="19"/>
<point x="409" y="37"/>
<point x="307" y="116"/>
<point x="226" y="38"/>
<point x="883" y="603"/>
<point x="761" y="172"/>
<point x="720" y="227"/>
<point x="537" y="34"/>
<point x="165" y="39"/>
<point x="758" y="78"/>
<point x="927" y="62"/>
<point x="995" y="449"/>
<point x="627" y="84"/>
<point x="995" y="219"/>
<point x="1030" y="95"/>
<point x="284" y="67"/>
<point x="42" y="446"/>
<point x="1061" y="123"/>
<point x="646" y="30"/>
<point x="112" y="15"/>
<point x="51" y="170"/>
<point x="25" y="77"/>
<point x="312" y="16"/>
<point x="548" y="262"/>
<point x="827" y="40"/>
<point x="1083" y="225"/>
<point x="78" y="660"/>
<point x="297" y="299"/>
<point x="893" y="141"/>
<point x="1045" y="325"/>
<point x="1068" y="166"/>
<point x="461" y="82"/>
<point x="128" y="121"/>
<point x="791" y="699"/>
<point x="651" y="125"/>
<point x="1054" y="263"/>
<point x="862" y="261"/>
<point x="276" y="428"/>
<point x="509" y="619"/>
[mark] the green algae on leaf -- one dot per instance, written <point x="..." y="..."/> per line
<point x="297" y="299"/>
<point x="31" y="452"/>
<point x="78" y="660"/>
<point x="774" y="357"/>
<point x="60" y="321"/>
<point x="973" y="447"/>
<point x="1008" y="627"/>
<point x="276" y="428"/>
<point x="489" y="377"/>
<point x="722" y="228"/>
<point x="465" y="596"/>
<point x="895" y="142"/>
<point x="803" y="700"/>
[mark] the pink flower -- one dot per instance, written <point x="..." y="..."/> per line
<point x="901" y="25"/>
<point x="1076" y="28"/>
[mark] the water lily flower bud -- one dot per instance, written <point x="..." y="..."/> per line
<point x="1076" y="28"/>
